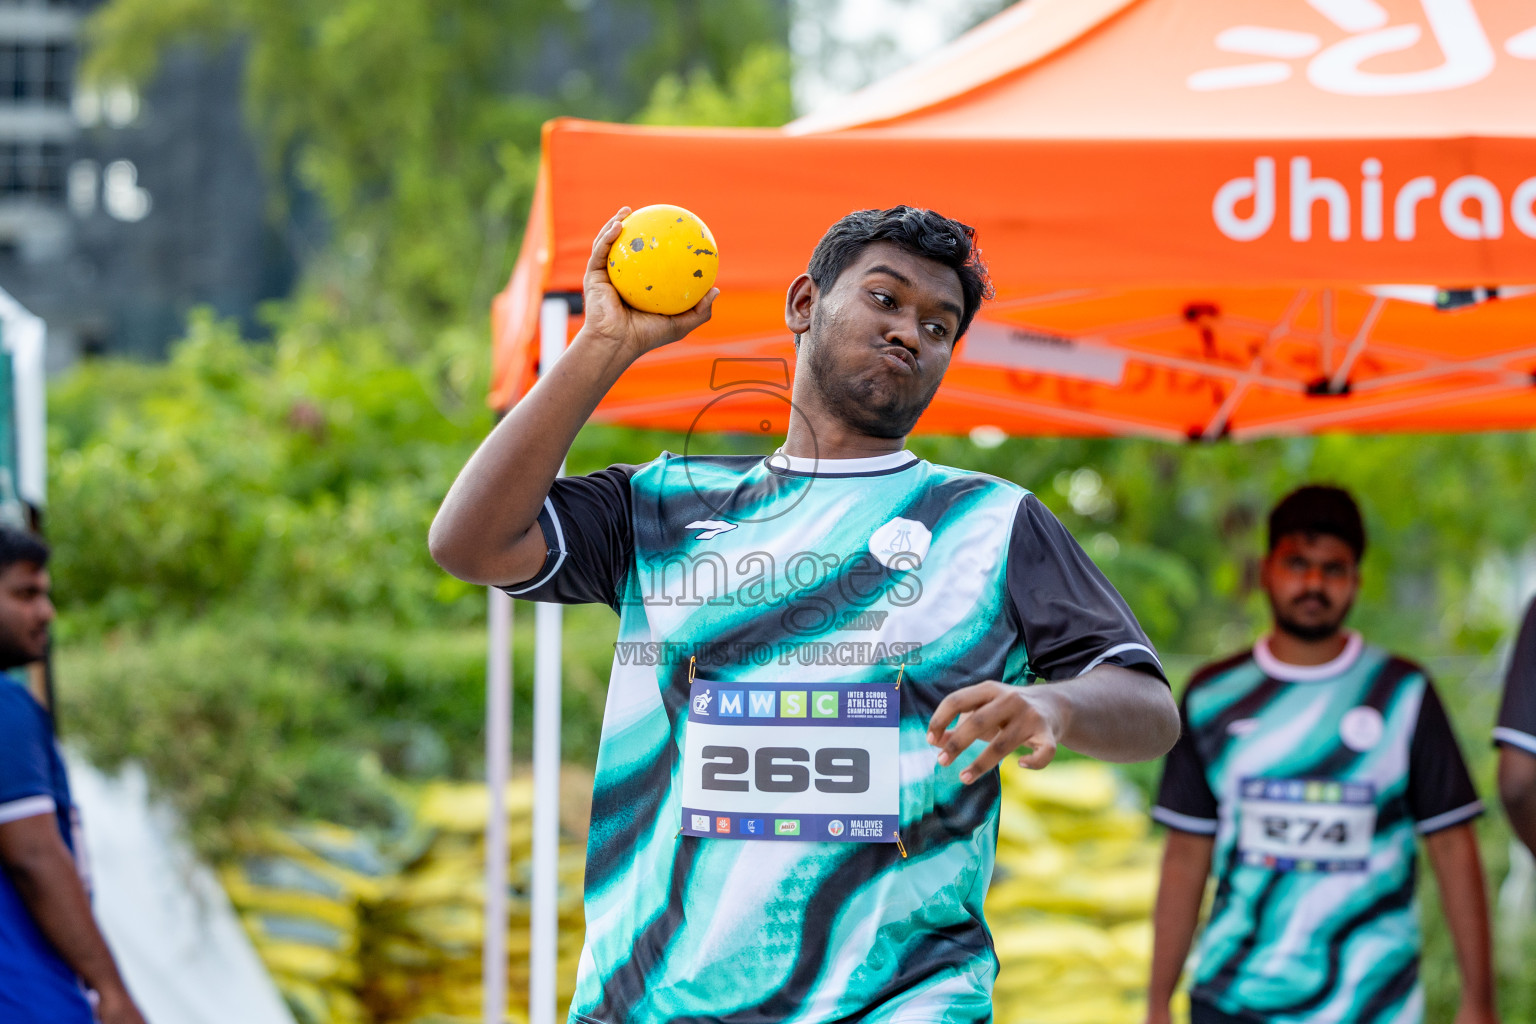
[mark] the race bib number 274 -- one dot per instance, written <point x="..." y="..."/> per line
<point x="1306" y="824"/>
<point x="792" y="761"/>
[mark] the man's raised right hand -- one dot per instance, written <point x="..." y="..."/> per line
<point x="610" y="319"/>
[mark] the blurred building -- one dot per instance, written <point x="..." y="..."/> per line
<point x="841" y="46"/>
<point x="119" y="212"/>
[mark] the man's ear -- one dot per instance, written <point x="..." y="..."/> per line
<point x="798" y="304"/>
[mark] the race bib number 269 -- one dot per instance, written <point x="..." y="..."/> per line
<point x="792" y="761"/>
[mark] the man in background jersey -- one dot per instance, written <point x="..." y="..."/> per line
<point x="49" y="941"/>
<point x="1516" y="735"/>
<point x="901" y="595"/>
<point x="1307" y="769"/>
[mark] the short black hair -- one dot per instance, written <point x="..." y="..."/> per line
<point x="1319" y="509"/>
<point x="18" y="545"/>
<point x="919" y="232"/>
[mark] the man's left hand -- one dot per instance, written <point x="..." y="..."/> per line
<point x="1007" y="717"/>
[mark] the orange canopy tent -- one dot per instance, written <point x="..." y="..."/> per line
<point x="1203" y="219"/>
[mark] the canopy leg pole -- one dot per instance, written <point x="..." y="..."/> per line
<point x="1219" y="422"/>
<point x="498" y="766"/>
<point x="554" y="319"/>
<point x="546" y="816"/>
<point x="1341" y="375"/>
<point x="1326" y="338"/>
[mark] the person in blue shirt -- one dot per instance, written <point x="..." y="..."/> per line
<point x="54" y="962"/>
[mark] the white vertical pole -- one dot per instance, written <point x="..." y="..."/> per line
<point x="546" y="816"/>
<point x="554" y="317"/>
<point x="26" y="337"/>
<point x="498" y="765"/>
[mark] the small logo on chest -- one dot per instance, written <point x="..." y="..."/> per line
<point x="1361" y="728"/>
<point x="901" y="544"/>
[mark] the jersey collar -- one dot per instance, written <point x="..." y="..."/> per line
<point x="1288" y="673"/>
<point x="778" y="462"/>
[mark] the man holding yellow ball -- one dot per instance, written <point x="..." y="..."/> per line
<point x="822" y="657"/>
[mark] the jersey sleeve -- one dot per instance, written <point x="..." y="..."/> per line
<point x="26" y="787"/>
<point x="1517" y="713"/>
<point x="1072" y="619"/>
<point x="589" y="540"/>
<point x="1440" y="790"/>
<point x="1184" y="798"/>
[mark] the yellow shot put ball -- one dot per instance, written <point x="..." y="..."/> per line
<point x="664" y="261"/>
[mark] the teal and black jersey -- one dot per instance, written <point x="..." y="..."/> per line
<point x="758" y="575"/>
<point x="1517" y="712"/>
<point x="1315" y="782"/>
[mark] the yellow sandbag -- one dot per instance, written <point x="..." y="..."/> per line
<point x="346" y="1008"/>
<point x="1052" y="939"/>
<point x="276" y="845"/>
<point x="456" y="874"/>
<point x="469" y="847"/>
<point x="1134" y="940"/>
<point x="1087" y="1009"/>
<point x="1018" y="823"/>
<point x="1022" y="977"/>
<point x="303" y="947"/>
<point x="515" y="1014"/>
<point x="1069" y="983"/>
<point x="1108" y="824"/>
<point x="1041" y="863"/>
<point x="277" y="928"/>
<point x="464" y="807"/>
<point x="312" y="1003"/>
<point x="457" y="880"/>
<point x="1117" y="894"/>
<point x="253" y="876"/>
<point x="1098" y="854"/>
<point x="344" y="848"/>
<point x="399" y="953"/>
<point x="453" y="928"/>
<point x="261" y="898"/>
<point x="1133" y="966"/>
<point x="309" y="962"/>
<point x="305" y="1000"/>
<point x="1081" y="786"/>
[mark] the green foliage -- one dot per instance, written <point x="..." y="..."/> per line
<point x="249" y="716"/>
<point x="390" y="113"/>
<point x="293" y="477"/>
<point x="1181" y="529"/>
<point x="756" y="94"/>
<point x="410" y="120"/>
<point x="712" y="36"/>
